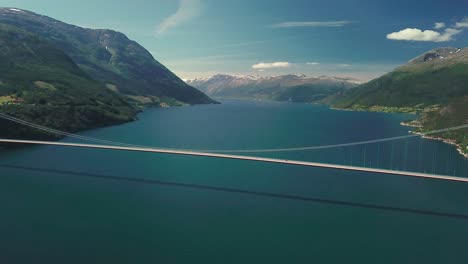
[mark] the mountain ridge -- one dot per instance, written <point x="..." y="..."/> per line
<point x="109" y="57"/>
<point x="56" y="94"/>
<point x="69" y="78"/>
<point x="289" y="87"/>
<point x="433" y="84"/>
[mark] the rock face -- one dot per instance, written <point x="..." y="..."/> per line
<point x="291" y="87"/>
<point x="438" y="54"/>
<point x="107" y="56"/>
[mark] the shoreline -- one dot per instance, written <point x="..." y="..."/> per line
<point x="416" y="124"/>
<point x="447" y="141"/>
<point x="56" y="137"/>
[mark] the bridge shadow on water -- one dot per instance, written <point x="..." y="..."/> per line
<point x="298" y="198"/>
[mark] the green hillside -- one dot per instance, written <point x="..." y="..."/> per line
<point x="411" y="87"/>
<point x="453" y="114"/>
<point x="109" y="57"/>
<point x="41" y="84"/>
<point x="434" y="84"/>
<point x="308" y="93"/>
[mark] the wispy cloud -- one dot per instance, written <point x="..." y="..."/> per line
<point x="439" y="25"/>
<point x="340" y="23"/>
<point x="256" y="42"/>
<point x="208" y="60"/>
<point x="313" y="63"/>
<point x="462" y="24"/>
<point x="246" y="43"/>
<point x="415" y="34"/>
<point x="271" y="65"/>
<point x="187" y="10"/>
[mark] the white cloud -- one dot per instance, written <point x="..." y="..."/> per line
<point x="462" y="24"/>
<point x="414" y="34"/>
<point x="188" y="9"/>
<point x="344" y="65"/>
<point x="439" y="35"/>
<point x="311" y="24"/>
<point x="263" y="65"/>
<point x="313" y="63"/>
<point x="448" y="34"/>
<point x="439" y="25"/>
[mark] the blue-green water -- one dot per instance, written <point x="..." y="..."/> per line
<point x="52" y="217"/>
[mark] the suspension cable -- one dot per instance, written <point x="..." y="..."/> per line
<point x="54" y="131"/>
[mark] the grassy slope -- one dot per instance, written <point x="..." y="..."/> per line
<point x="420" y="87"/>
<point x="54" y="91"/>
<point x="453" y="114"/>
<point x="109" y="57"/>
<point x="436" y="90"/>
<point x="307" y="93"/>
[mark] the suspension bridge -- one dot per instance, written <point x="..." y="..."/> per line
<point x="229" y="154"/>
<point x="221" y="153"/>
<point x="240" y="157"/>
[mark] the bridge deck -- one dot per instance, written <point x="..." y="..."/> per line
<point x="240" y="157"/>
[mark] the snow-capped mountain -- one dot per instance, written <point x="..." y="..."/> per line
<point x="440" y="55"/>
<point x="292" y="87"/>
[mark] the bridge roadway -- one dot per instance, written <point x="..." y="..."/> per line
<point x="239" y="157"/>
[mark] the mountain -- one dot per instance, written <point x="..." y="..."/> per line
<point x="110" y="58"/>
<point x="291" y="87"/>
<point x="41" y="84"/>
<point x="434" y="84"/>
<point x="433" y="78"/>
<point x="69" y="78"/>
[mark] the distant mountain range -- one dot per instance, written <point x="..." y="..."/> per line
<point x="434" y="84"/>
<point x="292" y="87"/>
<point x="71" y="78"/>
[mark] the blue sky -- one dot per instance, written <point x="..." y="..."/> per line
<point x="199" y="38"/>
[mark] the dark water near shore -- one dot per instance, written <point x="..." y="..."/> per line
<point x="88" y="215"/>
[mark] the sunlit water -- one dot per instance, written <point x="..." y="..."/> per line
<point x="58" y="217"/>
